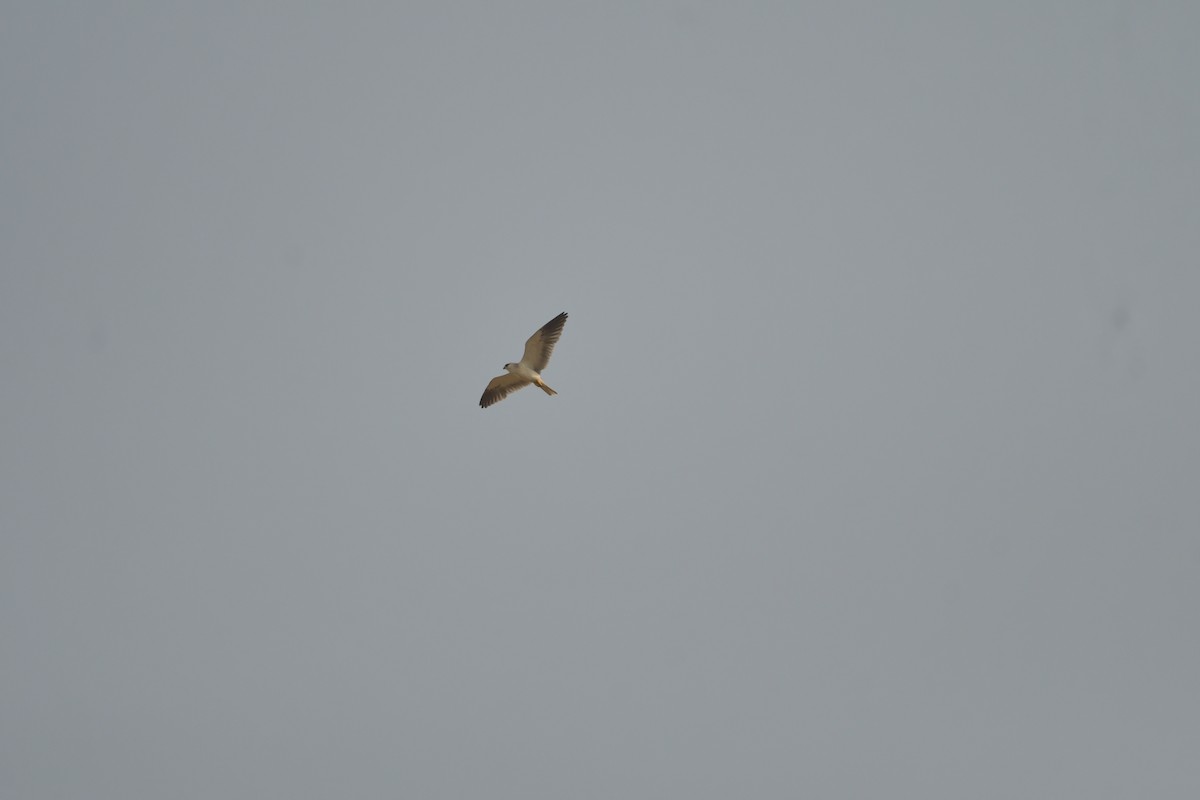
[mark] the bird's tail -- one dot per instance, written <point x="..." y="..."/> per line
<point x="541" y="385"/>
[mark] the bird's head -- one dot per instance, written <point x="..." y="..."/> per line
<point x="510" y="367"/>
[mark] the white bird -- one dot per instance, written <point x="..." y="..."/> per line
<point x="537" y="355"/>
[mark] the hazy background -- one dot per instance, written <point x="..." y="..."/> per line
<point x="874" y="469"/>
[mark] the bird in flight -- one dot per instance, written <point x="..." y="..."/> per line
<point x="537" y="355"/>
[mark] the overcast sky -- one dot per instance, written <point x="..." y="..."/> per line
<point x="874" y="469"/>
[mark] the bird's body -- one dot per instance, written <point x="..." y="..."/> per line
<point x="529" y="376"/>
<point x="528" y="370"/>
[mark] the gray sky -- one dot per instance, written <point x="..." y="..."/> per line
<point x="875" y="462"/>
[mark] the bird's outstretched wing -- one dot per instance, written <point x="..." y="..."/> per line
<point x="501" y="387"/>
<point x="539" y="346"/>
